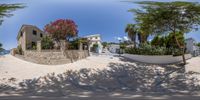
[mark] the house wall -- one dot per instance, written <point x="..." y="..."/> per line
<point x="22" y="41"/>
<point x="190" y="45"/>
<point x="32" y="38"/>
<point x="192" y="48"/>
<point x="95" y="39"/>
<point x="26" y="40"/>
<point x="114" y="48"/>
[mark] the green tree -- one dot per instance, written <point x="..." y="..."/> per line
<point x="47" y="43"/>
<point x="198" y="44"/>
<point x="62" y="29"/>
<point x="6" y="9"/>
<point x="132" y="32"/>
<point x="156" y="40"/>
<point x="167" y="41"/>
<point x="1" y="49"/>
<point x="77" y="42"/>
<point x="142" y="36"/>
<point x="170" y="40"/>
<point x="105" y="44"/>
<point x="170" y="17"/>
<point x="95" y="47"/>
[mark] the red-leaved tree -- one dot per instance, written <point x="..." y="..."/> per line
<point x="62" y="29"/>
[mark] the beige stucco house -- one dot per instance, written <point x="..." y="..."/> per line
<point x="95" y="39"/>
<point x="28" y="36"/>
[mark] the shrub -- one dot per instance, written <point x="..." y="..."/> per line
<point x="94" y="47"/>
<point x="146" y="49"/>
<point x="73" y="45"/>
<point x="47" y="43"/>
<point x="34" y="47"/>
<point x="14" y="51"/>
<point x="19" y="50"/>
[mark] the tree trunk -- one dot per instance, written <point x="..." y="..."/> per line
<point x="181" y="47"/>
<point x="134" y="40"/>
<point x="183" y="56"/>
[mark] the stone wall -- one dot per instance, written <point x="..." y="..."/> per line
<point x="75" y="55"/>
<point x="52" y="57"/>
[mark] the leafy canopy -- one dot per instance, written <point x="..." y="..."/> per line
<point x="131" y="29"/>
<point x="105" y="44"/>
<point x="6" y="9"/>
<point x="62" y="29"/>
<point x="166" y="17"/>
<point x="167" y="41"/>
<point x="198" y="44"/>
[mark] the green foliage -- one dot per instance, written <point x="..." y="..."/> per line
<point x="74" y="45"/>
<point x="168" y="17"/>
<point x="168" y="41"/>
<point x="156" y="41"/>
<point x="142" y="36"/>
<point x="19" y="50"/>
<point x="47" y="43"/>
<point x="34" y="47"/>
<point x="95" y="45"/>
<point x="132" y="31"/>
<point x="1" y="49"/>
<point x="146" y="49"/>
<point x="5" y="10"/>
<point x="165" y="17"/>
<point x="198" y="44"/>
<point x="123" y="46"/>
<point x="105" y="44"/>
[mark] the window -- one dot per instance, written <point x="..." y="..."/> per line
<point x="41" y="35"/>
<point x="21" y="34"/>
<point x="34" y="32"/>
<point x="96" y="37"/>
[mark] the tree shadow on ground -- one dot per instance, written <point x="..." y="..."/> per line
<point x="118" y="78"/>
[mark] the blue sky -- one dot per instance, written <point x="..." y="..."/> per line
<point x="105" y="17"/>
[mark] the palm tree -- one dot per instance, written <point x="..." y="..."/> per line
<point x="5" y="10"/>
<point x="132" y="32"/>
<point x="142" y="36"/>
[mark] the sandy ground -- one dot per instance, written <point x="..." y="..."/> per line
<point x="193" y="64"/>
<point x="11" y="66"/>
